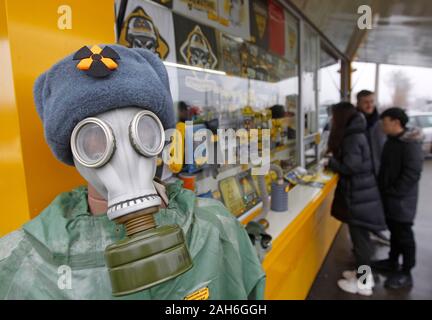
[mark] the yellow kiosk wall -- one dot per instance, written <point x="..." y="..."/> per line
<point x="31" y="42"/>
<point x="298" y="253"/>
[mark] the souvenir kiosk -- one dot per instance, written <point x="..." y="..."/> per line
<point x="250" y="69"/>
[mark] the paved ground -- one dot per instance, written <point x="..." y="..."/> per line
<point x="340" y="257"/>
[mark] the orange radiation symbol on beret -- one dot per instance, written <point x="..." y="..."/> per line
<point x="97" y="62"/>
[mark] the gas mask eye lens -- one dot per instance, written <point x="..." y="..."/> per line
<point x="147" y="134"/>
<point x="92" y="142"/>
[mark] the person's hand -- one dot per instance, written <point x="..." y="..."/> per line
<point x="324" y="162"/>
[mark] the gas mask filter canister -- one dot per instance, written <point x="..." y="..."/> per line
<point x="116" y="153"/>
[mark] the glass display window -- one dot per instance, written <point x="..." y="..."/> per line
<point x="329" y="93"/>
<point x="310" y="62"/>
<point x="329" y="86"/>
<point x="237" y="67"/>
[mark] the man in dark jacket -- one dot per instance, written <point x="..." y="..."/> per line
<point x="376" y="139"/>
<point x="376" y="136"/>
<point x="401" y="166"/>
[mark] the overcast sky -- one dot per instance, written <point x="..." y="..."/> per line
<point x="420" y="78"/>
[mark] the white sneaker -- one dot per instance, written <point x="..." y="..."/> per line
<point x="354" y="286"/>
<point x="349" y="274"/>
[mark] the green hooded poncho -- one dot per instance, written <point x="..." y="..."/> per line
<point x="33" y="259"/>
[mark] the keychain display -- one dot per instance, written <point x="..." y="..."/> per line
<point x="232" y="195"/>
<point x="247" y="186"/>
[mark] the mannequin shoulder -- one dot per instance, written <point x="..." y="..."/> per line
<point x="216" y="206"/>
<point x="9" y="243"/>
<point x="215" y="212"/>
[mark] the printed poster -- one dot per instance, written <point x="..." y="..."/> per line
<point x="166" y="3"/>
<point x="258" y="64"/>
<point x="149" y="26"/>
<point x="234" y="18"/>
<point x="229" y="16"/>
<point x="291" y="44"/>
<point x="195" y="43"/>
<point x="196" y="46"/>
<point x="230" y="54"/>
<point x="259" y="23"/>
<point x="203" y="11"/>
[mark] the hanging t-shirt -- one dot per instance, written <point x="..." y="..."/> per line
<point x="276" y="27"/>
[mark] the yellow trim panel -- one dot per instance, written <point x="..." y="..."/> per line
<point x="34" y="36"/>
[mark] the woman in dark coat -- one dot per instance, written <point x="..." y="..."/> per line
<point x="357" y="199"/>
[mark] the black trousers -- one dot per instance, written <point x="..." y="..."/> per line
<point x="402" y="242"/>
<point x="362" y="245"/>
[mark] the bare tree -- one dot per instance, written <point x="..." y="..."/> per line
<point x="401" y="85"/>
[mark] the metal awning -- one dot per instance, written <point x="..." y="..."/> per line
<point x="401" y="34"/>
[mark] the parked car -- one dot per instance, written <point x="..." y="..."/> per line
<point x="324" y="117"/>
<point x="423" y="120"/>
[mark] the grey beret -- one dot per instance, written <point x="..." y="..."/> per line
<point x="65" y="95"/>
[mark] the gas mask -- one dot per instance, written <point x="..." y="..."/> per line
<point x="116" y="153"/>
